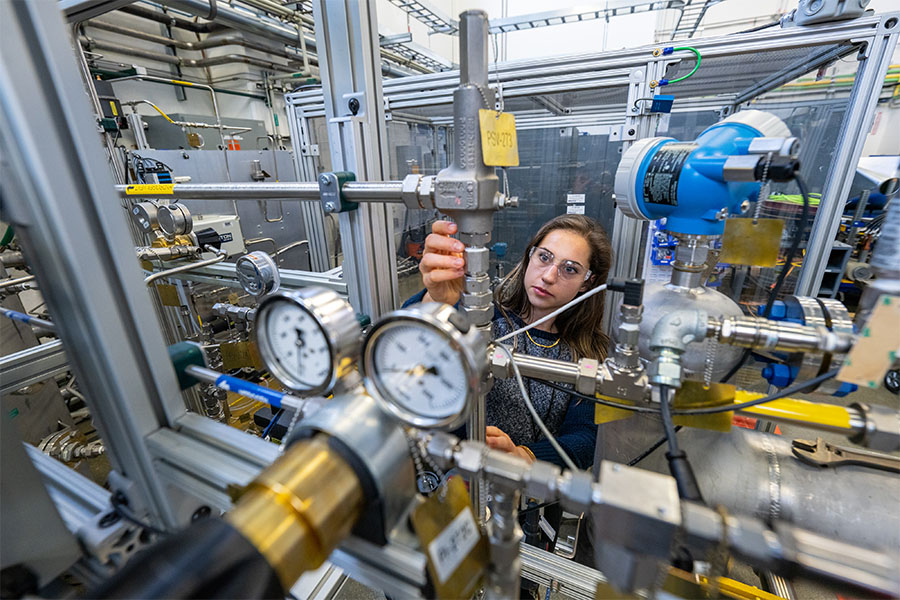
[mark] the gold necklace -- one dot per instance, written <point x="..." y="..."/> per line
<point x="540" y="345"/>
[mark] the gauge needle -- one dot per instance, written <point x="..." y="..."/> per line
<point x="299" y="333"/>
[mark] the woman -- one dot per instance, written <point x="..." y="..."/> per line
<point x="568" y="256"/>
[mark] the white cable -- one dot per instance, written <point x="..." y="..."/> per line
<point x="580" y="298"/>
<point x="534" y="415"/>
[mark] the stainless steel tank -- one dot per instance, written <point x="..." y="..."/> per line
<point x="660" y="299"/>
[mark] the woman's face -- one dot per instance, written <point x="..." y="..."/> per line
<point x="547" y="289"/>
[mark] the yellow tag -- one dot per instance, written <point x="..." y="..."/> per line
<point x="499" y="147"/>
<point x="168" y="294"/>
<point x="112" y="105"/>
<point x="236" y="355"/>
<point x="161" y="189"/>
<point x="877" y="347"/>
<point x="608" y="414"/>
<point x="454" y="545"/>
<point x="748" y="243"/>
<point x="693" y="394"/>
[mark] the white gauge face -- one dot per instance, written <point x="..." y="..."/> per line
<point x="417" y="368"/>
<point x="298" y="347"/>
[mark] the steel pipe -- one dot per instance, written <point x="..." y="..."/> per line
<point x="188" y="267"/>
<point x="357" y="191"/>
<point x="17" y="281"/>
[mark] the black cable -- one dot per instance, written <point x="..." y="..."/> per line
<point x="651" y="449"/>
<point x="538" y="506"/>
<point x="779" y="283"/>
<point x="120" y="503"/>
<point x="665" y="410"/>
<point x="758" y="27"/>
<point x="565" y="390"/>
<point x="794" y="389"/>
<point x="679" y="466"/>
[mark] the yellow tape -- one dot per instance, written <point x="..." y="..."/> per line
<point x="829" y="415"/>
<point x="181" y="82"/>
<point x="161" y="189"/>
<point x="112" y="106"/>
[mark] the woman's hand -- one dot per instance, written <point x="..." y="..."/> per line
<point x="498" y="440"/>
<point x="442" y="264"/>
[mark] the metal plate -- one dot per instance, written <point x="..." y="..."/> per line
<point x="839" y="321"/>
<point x="168" y="294"/>
<point x="693" y="394"/>
<point x="236" y="355"/>
<point x="749" y="243"/>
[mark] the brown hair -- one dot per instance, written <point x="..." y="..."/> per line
<point x="580" y="326"/>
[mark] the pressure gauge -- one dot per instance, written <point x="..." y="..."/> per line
<point x="257" y="273"/>
<point x="174" y="219"/>
<point x="424" y="365"/>
<point x="306" y="337"/>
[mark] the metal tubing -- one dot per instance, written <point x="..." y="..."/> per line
<point x="181" y="269"/>
<point x="212" y="95"/>
<point x="762" y="334"/>
<point x="245" y="388"/>
<point x="546" y="369"/>
<point x="27" y="319"/>
<point x="357" y="191"/>
<point x="505" y="535"/>
<point x="212" y="61"/>
<point x="215" y="41"/>
<point x="17" y="281"/>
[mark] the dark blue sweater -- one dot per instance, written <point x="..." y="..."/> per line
<point x="570" y="420"/>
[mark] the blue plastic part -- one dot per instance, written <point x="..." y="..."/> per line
<point x="779" y="310"/>
<point x="779" y="375"/>
<point x="663" y="82"/>
<point x="250" y="390"/>
<point x="846" y="388"/>
<point x="701" y="191"/>
<point x="662" y="103"/>
<point x="668" y="50"/>
<point x="16" y="315"/>
<point x="500" y="248"/>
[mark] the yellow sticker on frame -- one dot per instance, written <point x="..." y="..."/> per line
<point x="162" y="189"/>
<point x="499" y="146"/>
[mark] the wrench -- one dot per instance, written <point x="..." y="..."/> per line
<point x="823" y="454"/>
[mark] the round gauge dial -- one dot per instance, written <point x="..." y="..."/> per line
<point x="302" y="336"/>
<point x="257" y="273"/>
<point x="423" y="369"/>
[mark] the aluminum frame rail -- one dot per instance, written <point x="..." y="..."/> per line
<point x="357" y="139"/>
<point x="574" y="14"/>
<point x="59" y="193"/>
<point x="32" y="365"/>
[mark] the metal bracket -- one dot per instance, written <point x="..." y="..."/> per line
<point x="331" y="193"/>
<point x="637" y="79"/>
<point x="310" y="150"/>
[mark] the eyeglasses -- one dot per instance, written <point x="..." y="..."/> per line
<point x="568" y="270"/>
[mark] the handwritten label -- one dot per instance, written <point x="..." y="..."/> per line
<point x="453" y="544"/>
<point x="143" y="189"/>
<point x="499" y="146"/>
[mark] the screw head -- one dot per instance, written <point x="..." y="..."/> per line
<point x="329" y="206"/>
<point x="353" y="105"/>
<point x="631" y="132"/>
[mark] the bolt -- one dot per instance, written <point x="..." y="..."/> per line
<point x="329" y="207"/>
<point x="353" y="105"/>
<point x="631" y="132"/>
<point x="108" y="520"/>
<point x="201" y="513"/>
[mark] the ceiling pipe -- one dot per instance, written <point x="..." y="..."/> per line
<point x="226" y="59"/>
<point x="213" y="41"/>
<point x="171" y="20"/>
<point x="246" y="21"/>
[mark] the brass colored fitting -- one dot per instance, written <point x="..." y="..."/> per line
<point x="299" y="509"/>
